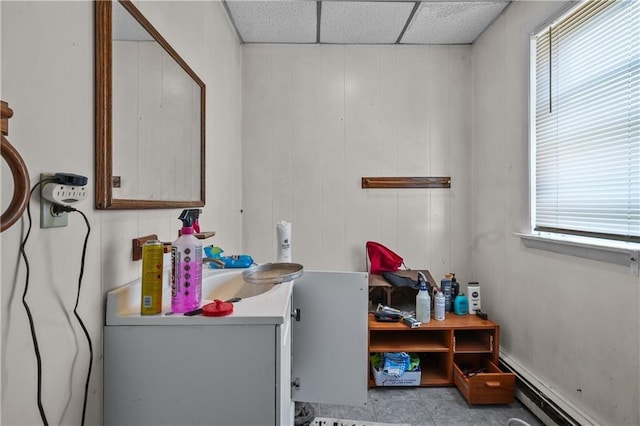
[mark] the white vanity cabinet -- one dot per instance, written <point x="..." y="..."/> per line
<point x="239" y="369"/>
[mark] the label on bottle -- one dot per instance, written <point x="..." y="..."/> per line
<point x="186" y="290"/>
<point x="439" y="308"/>
<point x="151" y="282"/>
<point x="474" y="297"/>
<point x="445" y="286"/>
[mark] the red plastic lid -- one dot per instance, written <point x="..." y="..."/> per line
<point x="217" y="309"/>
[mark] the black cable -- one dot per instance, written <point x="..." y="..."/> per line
<point x="57" y="209"/>
<point x="84" y="329"/>
<point x="26" y="306"/>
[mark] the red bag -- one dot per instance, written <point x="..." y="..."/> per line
<point x="382" y="258"/>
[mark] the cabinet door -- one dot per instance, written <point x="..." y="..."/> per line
<point x="189" y="375"/>
<point x="330" y="340"/>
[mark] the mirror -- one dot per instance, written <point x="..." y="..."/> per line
<point x="150" y="116"/>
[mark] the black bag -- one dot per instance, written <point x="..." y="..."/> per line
<point x="399" y="281"/>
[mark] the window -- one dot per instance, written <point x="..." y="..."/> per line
<point x="586" y="123"/>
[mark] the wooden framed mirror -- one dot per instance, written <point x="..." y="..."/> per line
<point x="150" y="116"/>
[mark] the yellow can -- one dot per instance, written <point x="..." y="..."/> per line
<point x="152" y="269"/>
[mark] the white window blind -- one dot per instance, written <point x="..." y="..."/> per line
<point x="586" y="134"/>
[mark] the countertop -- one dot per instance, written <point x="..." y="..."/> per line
<point x="123" y="305"/>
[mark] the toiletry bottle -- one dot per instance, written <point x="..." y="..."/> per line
<point x="473" y="290"/>
<point x="423" y="301"/>
<point x="186" y="276"/>
<point x="455" y="289"/>
<point x="439" y="306"/>
<point x="445" y="287"/>
<point x="461" y="304"/>
<point x="151" y="282"/>
<point x="283" y="231"/>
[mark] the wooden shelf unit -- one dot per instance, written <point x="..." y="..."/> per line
<point x="466" y="341"/>
<point x="437" y="343"/>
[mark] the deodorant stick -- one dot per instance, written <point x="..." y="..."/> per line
<point x="283" y="231"/>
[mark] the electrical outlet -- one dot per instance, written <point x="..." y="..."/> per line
<point x="63" y="194"/>
<point x="47" y="218"/>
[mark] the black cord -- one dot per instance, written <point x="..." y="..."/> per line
<point x="26" y="306"/>
<point x="75" y="312"/>
<point x="57" y="209"/>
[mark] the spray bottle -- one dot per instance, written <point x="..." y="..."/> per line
<point x="423" y="301"/>
<point x="186" y="274"/>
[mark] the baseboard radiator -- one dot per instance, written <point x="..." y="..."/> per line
<point x="541" y="400"/>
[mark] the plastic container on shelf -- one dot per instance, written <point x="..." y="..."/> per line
<point x="473" y="290"/>
<point x="439" y="314"/>
<point x="423" y="301"/>
<point x="445" y="287"/>
<point x="461" y="304"/>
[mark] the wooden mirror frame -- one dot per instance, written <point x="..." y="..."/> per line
<point x="104" y="143"/>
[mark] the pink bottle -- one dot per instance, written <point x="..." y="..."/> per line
<point x="186" y="274"/>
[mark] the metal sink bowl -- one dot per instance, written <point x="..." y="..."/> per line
<point x="226" y="284"/>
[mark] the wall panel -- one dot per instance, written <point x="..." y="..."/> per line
<point x="358" y="111"/>
<point x="48" y="80"/>
<point x="560" y="318"/>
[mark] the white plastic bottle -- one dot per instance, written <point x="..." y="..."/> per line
<point x="423" y="302"/>
<point x="439" y="306"/>
<point x="473" y="291"/>
<point x="283" y="231"/>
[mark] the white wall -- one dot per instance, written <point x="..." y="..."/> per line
<point x="572" y="322"/>
<point x="318" y="118"/>
<point x="48" y="80"/>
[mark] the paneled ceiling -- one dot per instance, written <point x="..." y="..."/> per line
<point x="362" y="22"/>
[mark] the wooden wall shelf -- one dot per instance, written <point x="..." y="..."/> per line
<point x="137" y="243"/>
<point x="406" y="182"/>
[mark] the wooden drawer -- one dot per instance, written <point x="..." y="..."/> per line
<point x="490" y="386"/>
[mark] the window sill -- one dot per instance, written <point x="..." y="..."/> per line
<point x="620" y="253"/>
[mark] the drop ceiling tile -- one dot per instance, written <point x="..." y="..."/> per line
<point x="347" y="22"/>
<point x="274" y="21"/>
<point x="437" y="22"/>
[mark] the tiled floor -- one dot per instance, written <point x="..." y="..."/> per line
<point x="427" y="407"/>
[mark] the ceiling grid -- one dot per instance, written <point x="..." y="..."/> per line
<point x="362" y="22"/>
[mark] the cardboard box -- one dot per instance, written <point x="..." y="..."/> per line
<point x="409" y="378"/>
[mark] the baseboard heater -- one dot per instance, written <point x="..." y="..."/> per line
<point x="539" y="399"/>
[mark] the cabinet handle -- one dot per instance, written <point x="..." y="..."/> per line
<point x="295" y="314"/>
<point x="493" y="384"/>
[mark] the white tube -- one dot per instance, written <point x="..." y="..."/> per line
<point x="284" y="241"/>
